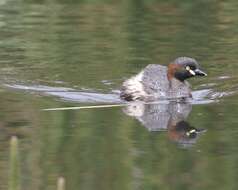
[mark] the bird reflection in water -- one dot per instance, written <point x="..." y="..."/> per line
<point x="170" y="117"/>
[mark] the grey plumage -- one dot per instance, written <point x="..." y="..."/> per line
<point x="154" y="83"/>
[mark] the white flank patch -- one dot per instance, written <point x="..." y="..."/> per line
<point x="134" y="86"/>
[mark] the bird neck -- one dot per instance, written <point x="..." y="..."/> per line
<point x="171" y="71"/>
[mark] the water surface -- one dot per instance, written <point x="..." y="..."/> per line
<point x="49" y="48"/>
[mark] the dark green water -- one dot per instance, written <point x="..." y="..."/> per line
<point x="93" y="46"/>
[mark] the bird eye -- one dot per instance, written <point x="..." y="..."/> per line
<point x="187" y="68"/>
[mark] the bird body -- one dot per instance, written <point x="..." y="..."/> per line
<point x="157" y="82"/>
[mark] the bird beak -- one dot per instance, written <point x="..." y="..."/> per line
<point x="198" y="72"/>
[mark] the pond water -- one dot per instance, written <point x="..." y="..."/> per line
<point x="67" y="53"/>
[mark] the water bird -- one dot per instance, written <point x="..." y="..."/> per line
<point x="156" y="82"/>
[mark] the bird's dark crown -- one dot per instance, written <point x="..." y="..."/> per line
<point x="186" y="61"/>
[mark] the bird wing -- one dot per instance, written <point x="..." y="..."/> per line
<point x="155" y="81"/>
